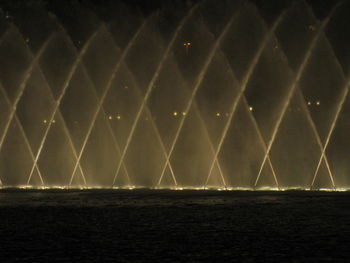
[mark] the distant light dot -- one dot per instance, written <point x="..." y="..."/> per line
<point x="53" y="121"/>
<point x="45" y="121"/>
<point x="309" y="103"/>
<point x="109" y="117"/>
<point x="251" y="108"/>
<point x="183" y="113"/>
<point x="318" y="103"/>
<point x="118" y="117"/>
<point x="218" y="114"/>
<point x="175" y="113"/>
<point x="312" y="27"/>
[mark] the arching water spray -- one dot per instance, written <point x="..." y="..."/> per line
<point x="58" y="102"/>
<point x="199" y="82"/>
<point x="22" y="87"/>
<point x="150" y="88"/>
<point x="243" y="87"/>
<point x="294" y="86"/>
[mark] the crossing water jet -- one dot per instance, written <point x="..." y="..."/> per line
<point x="294" y="87"/>
<point x="242" y="89"/>
<point x="150" y="88"/>
<point x="216" y="119"/>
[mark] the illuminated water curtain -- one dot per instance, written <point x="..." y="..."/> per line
<point x="230" y="101"/>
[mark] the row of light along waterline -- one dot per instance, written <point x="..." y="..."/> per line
<point x="209" y="96"/>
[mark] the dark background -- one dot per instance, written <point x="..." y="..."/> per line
<point x="145" y="7"/>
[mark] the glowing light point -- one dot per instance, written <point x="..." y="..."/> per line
<point x="183" y="113"/>
<point x="53" y="121"/>
<point x="218" y="114"/>
<point x="175" y="113"/>
<point x="44" y="121"/>
<point x="309" y="103"/>
<point x="251" y="108"/>
<point x="318" y="103"/>
<point x="187" y="45"/>
<point x="109" y="117"/>
<point x="312" y="27"/>
<point x="118" y="117"/>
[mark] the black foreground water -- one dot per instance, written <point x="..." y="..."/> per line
<point x="173" y="226"/>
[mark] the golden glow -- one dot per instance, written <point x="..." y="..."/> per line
<point x="109" y="117"/>
<point x="318" y="103"/>
<point x="309" y="103"/>
<point x="250" y="108"/>
<point x="218" y="114"/>
<point x="183" y="113"/>
<point x="53" y="121"/>
<point x="187" y="44"/>
<point x="118" y="117"/>
<point x="175" y="113"/>
<point x="44" y="121"/>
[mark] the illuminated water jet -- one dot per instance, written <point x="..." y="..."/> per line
<point x="187" y="105"/>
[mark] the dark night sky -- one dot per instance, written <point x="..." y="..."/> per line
<point x="73" y="13"/>
<point x="267" y="7"/>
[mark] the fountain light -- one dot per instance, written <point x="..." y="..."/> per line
<point x="312" y="27"/>
<point x="148" y="95"/>
<point x="187" y="45"/>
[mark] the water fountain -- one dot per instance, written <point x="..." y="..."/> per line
<point x="188" y="100"/>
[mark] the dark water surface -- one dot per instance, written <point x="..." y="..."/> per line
<point x="173" y="226"/>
